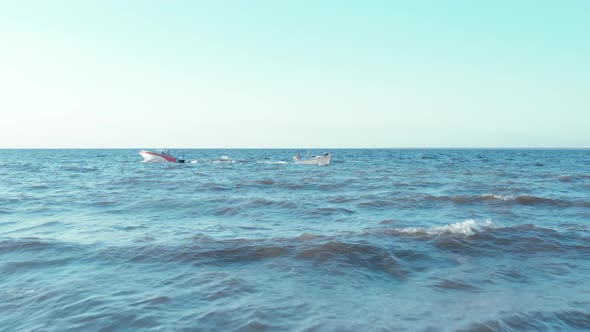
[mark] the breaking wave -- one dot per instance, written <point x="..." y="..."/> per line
<point x="467" y="227"/>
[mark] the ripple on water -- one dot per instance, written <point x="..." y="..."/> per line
<point x="571" y="320"/>
<point x="97" y="240"/>
<point x="354" y="255"/>
<point x="503" y="199"/>
<point x="454" y="285"/>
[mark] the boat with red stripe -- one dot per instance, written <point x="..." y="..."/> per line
<point x="160" y="156"/>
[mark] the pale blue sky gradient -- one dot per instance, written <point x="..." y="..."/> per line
<point x="234" y="74"/>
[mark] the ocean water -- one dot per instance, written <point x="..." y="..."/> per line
<point x="381" y="240"/>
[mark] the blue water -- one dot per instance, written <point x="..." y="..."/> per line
<point x="381" y="240"/>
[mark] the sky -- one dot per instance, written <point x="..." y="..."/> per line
<point x="294" y="74"/>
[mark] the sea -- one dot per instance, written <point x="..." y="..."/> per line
<point x="380" y="240"/>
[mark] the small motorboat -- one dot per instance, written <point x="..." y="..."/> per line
<point x="160" y="156"/>
<point x="322" y="160"/>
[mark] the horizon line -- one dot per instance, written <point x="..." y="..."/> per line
<point x="302" y="148"/>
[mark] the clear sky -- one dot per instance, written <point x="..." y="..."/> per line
<point x="305" y="74"/>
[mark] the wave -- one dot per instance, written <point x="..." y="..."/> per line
<point x="272" y="162"/>
<point x="23" y="244"/>
<point x="223" y="161"/>
<point x="359" y="255"/>
<point x="154" y="301"/>
<point x="565" y="178"/>
<point x="487" y="239"/>
<point x="534" y="200"/>
<point x="341" y="199"/>
<point x="453" y="285"/>
<point x="492" y="197"/>
<point x="36" y="245"/>
<point x="264" y="183"/>
<point x="79" y="169"/>
<point x="329" y="253"/>
<point x="48" y="224"/>
<point x="221" y="285"/>
<point x="509" y="199"/>
<point x="327" y="211"/>
<point x="263" y="202"/>
<point x="335" y="186"/>
<point x="466" y="237"/>
<point x="267" y="182"/>
<point x="38" y="187"/>
<point x="377" y="203"/>
<point x="227" y="211"/>
<point x="34" y="253"/>
<point x="536" y="321"/>
<point x="417" y="201"/>
<point x="216" y="186"/>
<point x="30" y="264"/>
<point x="467" y="227"/>
<point x="526" y="239"/>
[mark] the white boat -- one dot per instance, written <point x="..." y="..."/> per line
<point x="159" y="157"/>
<point x="322" y="160"/>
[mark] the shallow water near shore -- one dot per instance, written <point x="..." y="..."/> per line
<point x="381" y="240"/>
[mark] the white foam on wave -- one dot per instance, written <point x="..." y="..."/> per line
<point x="223" y="160"/>
<point x="467" y="227"/>
<point x="499" y="197"/>
<point x="271" y="162"/>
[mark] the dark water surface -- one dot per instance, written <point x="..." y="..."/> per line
<point x="381" y="240"/>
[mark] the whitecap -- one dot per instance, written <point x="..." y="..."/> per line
<point x="271" y="162"/>
<point x="467" y="227"/>
<point x="499" y="197"/>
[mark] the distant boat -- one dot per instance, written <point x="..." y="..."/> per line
<point x="321" y="160"/>
<point x="159" y="157"/>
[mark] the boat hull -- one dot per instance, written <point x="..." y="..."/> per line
<point x="153" y="157"/>
<point x="323" y="160"/>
